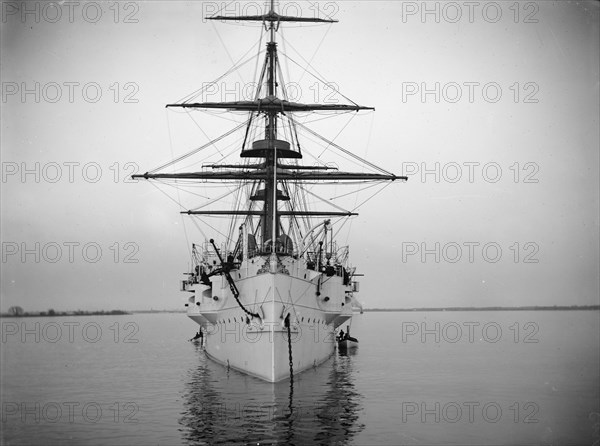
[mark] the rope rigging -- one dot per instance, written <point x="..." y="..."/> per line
<point x="193" y="152"/>
<point x="320" y="79"/>
<point x="296" y="183"/>
<point x="347" y="152"/>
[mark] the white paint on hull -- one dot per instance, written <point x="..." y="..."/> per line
<point x="316" y="304"/>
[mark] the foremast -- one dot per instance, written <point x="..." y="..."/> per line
<point x="271" y="171"/>
<point x="270" y="219"/>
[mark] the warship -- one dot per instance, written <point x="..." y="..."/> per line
<point x="271" y="291"/>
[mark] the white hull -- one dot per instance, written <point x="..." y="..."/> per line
<point x="274" y="288"/>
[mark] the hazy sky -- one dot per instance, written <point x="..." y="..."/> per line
<point x="499" y="102"/>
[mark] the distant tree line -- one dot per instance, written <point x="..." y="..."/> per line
<point x="17" y="311"/>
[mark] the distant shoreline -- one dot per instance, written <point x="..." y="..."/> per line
<point x="373" y="310"/>
<point x="67" y="313"/>
<point x="158" y="311"/>
<point x="525" y="308"/>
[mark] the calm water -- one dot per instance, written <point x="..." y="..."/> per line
<point x="417" y="378"/>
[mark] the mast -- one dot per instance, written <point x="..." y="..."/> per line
<point x="269" y="171"/>
<point x="270" y="223"/>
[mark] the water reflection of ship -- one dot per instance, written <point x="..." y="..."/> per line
<point x="226" y="406"/>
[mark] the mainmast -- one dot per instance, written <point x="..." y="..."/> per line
<point x="271" y="129"/>
<point x="270" y="223"/>
<point x="270" y="172"/>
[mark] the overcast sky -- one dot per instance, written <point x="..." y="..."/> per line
<point x="492" y="109"/>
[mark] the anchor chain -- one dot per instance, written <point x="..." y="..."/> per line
<point x="232" y="286"/>
<point x="236" y="293"/>
<point x="289" y="336"/>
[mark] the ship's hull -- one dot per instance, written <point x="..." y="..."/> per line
<point x="278" y="290"/>
<point x="268" y="357"/>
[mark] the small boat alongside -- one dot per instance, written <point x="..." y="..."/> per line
<point x="345" y="341"/>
